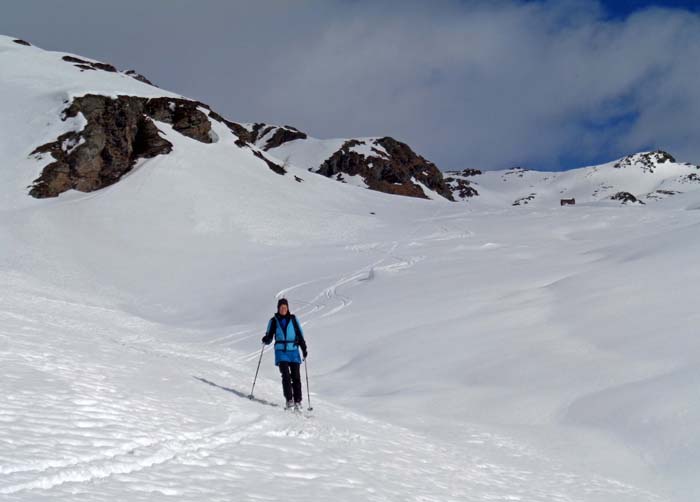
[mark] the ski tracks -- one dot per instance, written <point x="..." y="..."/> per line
<point x="127" y="459"/>
<point x="331" y="300"/>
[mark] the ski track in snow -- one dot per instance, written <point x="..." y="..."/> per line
<point x="330" y="294"/>
<point x="101" y="445"/>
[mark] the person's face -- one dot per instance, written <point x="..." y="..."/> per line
<point x="283" y="309"/>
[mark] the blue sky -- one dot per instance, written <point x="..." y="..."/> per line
<point x="622" y="8"/>
<point x="548" y="84"/>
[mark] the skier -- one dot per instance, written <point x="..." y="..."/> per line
<point x="288" y="336"/>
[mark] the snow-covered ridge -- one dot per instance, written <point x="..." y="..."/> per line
<point x="99" y="122"/>
<point x="639" y="178"/>
<point x="88" y="150"/>
<point x="77" y="75"/>
<point x="378" y="163"/>
<point x="83" y="125"/>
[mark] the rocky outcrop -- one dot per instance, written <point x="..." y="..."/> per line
<point x="118" y="132"/>
<point x="461" y="188"/>
<point x="22" y="42"/>
<point x="139" y="77"/>
<point x="646" y="161"/>
<point x="267" y="136"/>
<point x="84" y="64"/>
<point x="89" y="65"/>
<point x="661" y="194"/>
<point x="466" y="172"/>
<point x="386" y="165"/>
<point x="283" y="135"/>
<point x="516" y="171"/>
<point x="626" y="198"/>
<point x="276" y="168"/>
<point x="691" y="178"/>
<point x="524" y="201"/>
<point x="243" y="134"/>
<point x="185" y="116"/>
<point x="121" y="130"/>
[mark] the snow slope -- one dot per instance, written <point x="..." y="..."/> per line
<point x="456" y="352"/>
<point x="649" y="176"/>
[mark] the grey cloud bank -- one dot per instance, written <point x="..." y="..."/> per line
<point x="468" y="84"/>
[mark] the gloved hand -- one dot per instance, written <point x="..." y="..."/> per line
<point x="305" y="352"/>
<point x="267" y="339"/>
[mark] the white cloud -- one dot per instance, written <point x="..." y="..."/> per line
<point x="495" y="86"/>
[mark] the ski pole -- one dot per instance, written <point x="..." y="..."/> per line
<point x="308" y="393"/>
<point x="256" y="371"/>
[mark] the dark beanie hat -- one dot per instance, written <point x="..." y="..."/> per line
<point x="282" y="301"/>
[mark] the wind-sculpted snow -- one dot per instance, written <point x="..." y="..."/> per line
<point x="100" y="405"/>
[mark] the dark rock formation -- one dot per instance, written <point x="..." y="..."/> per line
<point x="462" y="188"/>
<point x="523" y="201"/>
<point x="283" y="135"/>
<point x="89" y="65"/>
<point x="245" y="139"/>
<point x="244" y="136"/>
<point x="184" y="115"/>
<point x="133" y="74"/>
<point x="661" y="194"/>
<point x="279" y="136"/>
<point x="626" y="197"/>
<point x="84" y="64"/>
<point x="121" y="130"/>
<point x="466" y="172"/>
<point x="647" y="161"/>
<point x="22" y="42"/>
<point x="515" y="171"/>
<point x="118" y="132"/>
<point x="275" y="167"/>
<point x="391" y="172"/>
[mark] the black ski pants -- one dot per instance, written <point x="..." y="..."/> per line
<point x="291" y="381"/>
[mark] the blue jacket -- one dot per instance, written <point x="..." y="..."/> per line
<point x="287" y="341"/>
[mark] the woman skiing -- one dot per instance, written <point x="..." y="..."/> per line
<point x="288" y="336"/>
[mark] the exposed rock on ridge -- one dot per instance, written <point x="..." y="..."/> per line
<point x="389" y="166"/>
<point x="118" y="132"/>
<point x="626" y="198"/>
<point x="460" y="186"/>
<point x="269" y="136"/>
<point x="646" y="161"/>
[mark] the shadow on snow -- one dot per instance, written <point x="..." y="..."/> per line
<point x="237" y="392"/>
